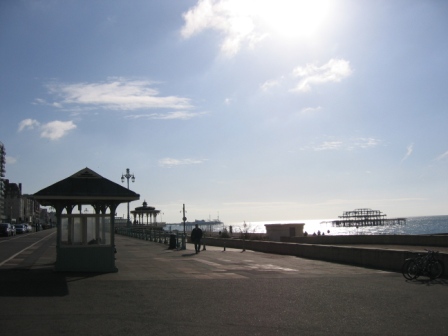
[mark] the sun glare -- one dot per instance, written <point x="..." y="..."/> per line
<point x="292" y="18"/>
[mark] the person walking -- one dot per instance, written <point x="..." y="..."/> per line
<point x="196" y="236"/>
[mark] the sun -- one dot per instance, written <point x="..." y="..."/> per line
<point x="293" y="18"/>
<point x="249" y="22"/>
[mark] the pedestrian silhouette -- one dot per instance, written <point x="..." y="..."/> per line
<point x="196" y="236"/>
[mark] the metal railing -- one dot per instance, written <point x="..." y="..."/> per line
<point x="154" y="235"/>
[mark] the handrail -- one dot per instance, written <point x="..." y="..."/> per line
<point x="153" y="235"/>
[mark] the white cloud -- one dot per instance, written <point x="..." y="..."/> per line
<point x="53" y="130"/>
<point x="39" y="101"/>
<point x="269" y="84"/>
<point x="311" y="109"/>
<point x="28" y="124"/>
<point x="170" y="162"/>
<point x="182" y="115"/>
<point x="365" y="142"/>
<point x="409" y="151"/>
<point x="347" y="145"/>
<point x="329" y="145"/>
<point x="56" y="129"/>
<point x="442" y="156"/>
<point x="232" y="18"/>
<point x="334" y="70"/>
<point x="113" y="94"/>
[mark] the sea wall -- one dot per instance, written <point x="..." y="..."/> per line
<point x="383" y="259"/>
<point x="416" y="240"/>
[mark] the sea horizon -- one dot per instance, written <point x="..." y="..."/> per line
<point x="414" y="225"/>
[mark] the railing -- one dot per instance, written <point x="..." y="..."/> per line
<point x="168" y="238"/>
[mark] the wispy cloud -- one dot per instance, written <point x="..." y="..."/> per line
<point x="113" y="94"/>
<point x="28" y="124"/>
<point x="365" y="142"/>
<point x="409" y="151"/>
<point x="442" y="156"/>
<point x="269" y="84"/>
<point x="334" y="70"/>
<point x="274" y="203"/>
<point x="345" y="144"/>
<point x="309" y="110"/>
<point x="182" y="115"/>
<point x="329" y="145"/>
<point x="53" y="130"/>
<point x="170" y="162"/>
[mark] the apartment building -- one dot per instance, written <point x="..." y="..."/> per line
<point x="2" y="184"/>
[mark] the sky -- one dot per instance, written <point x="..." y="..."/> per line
<point x="247" y="110"/>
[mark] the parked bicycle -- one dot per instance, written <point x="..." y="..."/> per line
<point x="423" y="265"/>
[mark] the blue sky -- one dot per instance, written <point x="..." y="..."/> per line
<point x="283" y="110"/>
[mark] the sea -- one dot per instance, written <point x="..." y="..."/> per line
<point x="414" y="226"/>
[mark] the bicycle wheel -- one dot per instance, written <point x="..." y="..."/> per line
<point x="410" y="269"/>
<point x="435" y="269"/>
<point x="415" y="269"/>
<point x="404" y="269"/>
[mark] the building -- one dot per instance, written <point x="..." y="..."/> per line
<point x="2" y="184"/>
<point x="31" y="210"/>
<point x="13" y="202"/>
<point x="149" y="212"/>
<point x="276" y="231"/>
<point x="19" y="208"/>
<point x="14" y="206"/>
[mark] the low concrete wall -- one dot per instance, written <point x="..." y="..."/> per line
<point x="390" y="260"/>
<point x="417" y="240"/>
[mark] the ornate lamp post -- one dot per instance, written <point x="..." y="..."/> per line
<point x="127" y="176"/>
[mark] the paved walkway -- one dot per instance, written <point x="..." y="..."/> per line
<point x="145" y="261"/>
<point x="163" y="292"/>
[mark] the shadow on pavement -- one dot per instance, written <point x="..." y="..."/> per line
<point x="429" y="282"/>
<point x="32" y="283"/>
<point x="189" y="254"/>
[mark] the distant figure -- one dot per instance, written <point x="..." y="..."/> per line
<point x="196" y="236"/>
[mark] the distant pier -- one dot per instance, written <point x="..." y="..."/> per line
<point x="366" y="217"/>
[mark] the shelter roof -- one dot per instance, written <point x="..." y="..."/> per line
<point x="145" y="208"/>
<point x="85" y="186"/>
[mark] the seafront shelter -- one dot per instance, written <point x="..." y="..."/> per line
<point x="85" y="241"/>
<point x="143" y="211"/>
<point x="276" y="231"/>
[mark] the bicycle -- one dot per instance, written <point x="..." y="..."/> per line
<point x="423" y="265"/>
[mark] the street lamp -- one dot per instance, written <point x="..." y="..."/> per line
<point x="127" y="176"/>
<point x="184" y="238"/>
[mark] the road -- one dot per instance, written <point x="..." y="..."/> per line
<point x="25" y="245"/>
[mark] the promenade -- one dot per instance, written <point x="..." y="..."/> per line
<point x="157" y="291"/>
